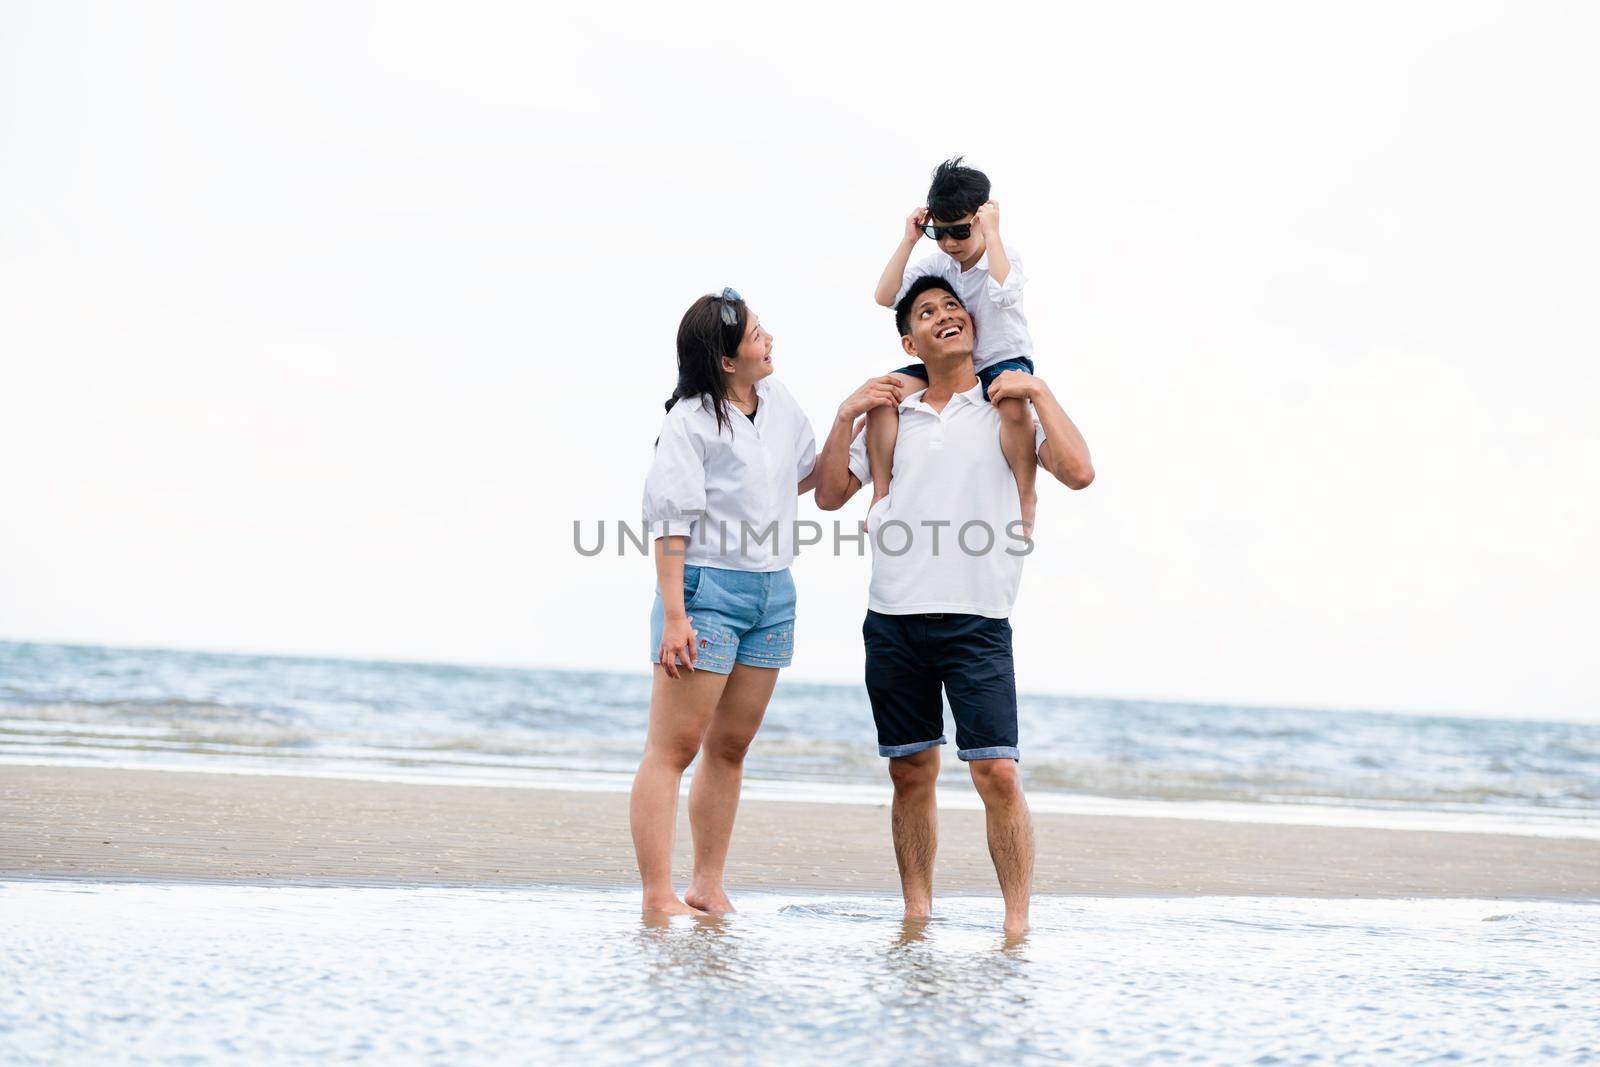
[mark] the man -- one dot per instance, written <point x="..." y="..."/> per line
<point x="946" y="564"/>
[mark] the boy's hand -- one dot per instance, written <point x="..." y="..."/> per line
<point x="988" y="219"/>
<point x="914" y="223"/>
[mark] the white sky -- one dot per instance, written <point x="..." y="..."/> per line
<point x="321" y="323"/>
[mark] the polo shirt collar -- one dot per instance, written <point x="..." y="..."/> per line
<point x="973" y="396"/>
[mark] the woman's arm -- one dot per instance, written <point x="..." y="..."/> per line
<point x="677" y="636"/>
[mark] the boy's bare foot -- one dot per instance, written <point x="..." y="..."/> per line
<point x="878" y="493"/>
<point x="1030" y="511"/>
<point x="711" y="901"/>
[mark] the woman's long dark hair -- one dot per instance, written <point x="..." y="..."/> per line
<point x="704" y="341"/>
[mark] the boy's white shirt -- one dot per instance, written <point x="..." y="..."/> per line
<point x="995" y="307"/>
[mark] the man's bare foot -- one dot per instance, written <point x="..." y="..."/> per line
<point x="669" y="906"/>
<point x="1016" y="930"/>
<point x="913" y="928"/>
<point x="709" y="901"/>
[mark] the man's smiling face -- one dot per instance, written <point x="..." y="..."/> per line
<point x="941" y="329"/>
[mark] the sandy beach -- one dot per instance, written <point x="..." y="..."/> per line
<point x="142" y="825"/>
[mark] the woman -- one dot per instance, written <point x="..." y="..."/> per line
<point x="735" y="453"/>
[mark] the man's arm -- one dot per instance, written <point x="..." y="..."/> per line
<point x="894" y="274"/>
<point x="1063" y="453"/>
<point x="835" y="483"/>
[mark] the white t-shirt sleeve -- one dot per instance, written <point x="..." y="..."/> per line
<point x="1008" y="293"/>
<point x="858" y="459"/>
<point x="675" y="488"/>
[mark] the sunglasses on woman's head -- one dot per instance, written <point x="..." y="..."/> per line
<point x="730" y="314"/>
<point x="960" y="231"/>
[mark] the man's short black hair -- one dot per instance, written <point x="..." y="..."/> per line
<point x="902" y="309"/>
<point x="957" y="190"/>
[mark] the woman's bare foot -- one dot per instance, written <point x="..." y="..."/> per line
<point x="669" y="906"/>
<point x="711" y="901"/>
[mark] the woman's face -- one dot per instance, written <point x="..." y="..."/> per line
<point x="754" y="361"/>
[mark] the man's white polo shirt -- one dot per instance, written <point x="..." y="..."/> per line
<point x="948" y="537"/>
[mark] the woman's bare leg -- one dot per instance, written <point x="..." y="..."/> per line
<point x="714" y="793"/>
<point x="680" y="710"/>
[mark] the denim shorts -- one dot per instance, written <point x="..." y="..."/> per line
<point x="985" y="377"/>
<point x="740" y="617"/>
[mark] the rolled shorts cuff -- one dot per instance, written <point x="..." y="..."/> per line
<point x="909" y="750"/>
<point x="997" y="752"/>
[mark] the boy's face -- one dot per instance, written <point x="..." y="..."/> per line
<point x="965" y="252"/>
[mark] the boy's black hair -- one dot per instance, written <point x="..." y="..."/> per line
<point x="902" y="308"/>
<point x="956" y="190"/>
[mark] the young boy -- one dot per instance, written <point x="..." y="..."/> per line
<point x="987" y="275"/>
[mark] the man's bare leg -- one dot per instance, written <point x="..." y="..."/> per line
<point x="680" y="710"/>
<point x="999" y="783"/>
<point x="1016" y="441"/>
<point x="714" y="793"/>
<point x="915" y="820"/>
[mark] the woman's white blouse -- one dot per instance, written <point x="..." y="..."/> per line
<point x="733" y="493"/>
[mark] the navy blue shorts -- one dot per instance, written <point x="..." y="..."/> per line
<point x="986" y="376"/>
<point x="910" y="658"/>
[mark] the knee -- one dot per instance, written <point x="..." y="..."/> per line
<point x="727" y="748"/>
<point x="998" y="781"/>
<point x="912" y="774"/>
<point x="675" y="755"/>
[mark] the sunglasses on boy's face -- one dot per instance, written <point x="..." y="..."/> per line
<point x="960" y="231"/>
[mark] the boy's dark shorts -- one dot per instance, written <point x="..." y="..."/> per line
<point x="909" y="659"/>
<point x="985" y="377"/>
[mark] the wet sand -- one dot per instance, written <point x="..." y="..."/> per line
<point x="126" y="825"/>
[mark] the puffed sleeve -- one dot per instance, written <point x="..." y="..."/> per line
<point x="805" y="449"/>
<point x="1008" y="294"/>
<point x="675" y="488"/>
<point x="934" y="264"/>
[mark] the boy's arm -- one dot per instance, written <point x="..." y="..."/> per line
<point x="836" y="483"/>
<point x="989" y="226"/>
<point x="894" y="274"/>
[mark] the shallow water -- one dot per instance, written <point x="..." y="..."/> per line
<point x="139" y="973"/>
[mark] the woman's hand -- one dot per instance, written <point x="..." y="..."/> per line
<point x="678" y="638"/>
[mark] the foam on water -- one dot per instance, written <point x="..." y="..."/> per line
<point x="104" y="973"/>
